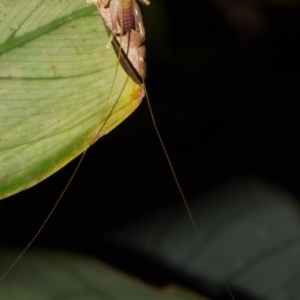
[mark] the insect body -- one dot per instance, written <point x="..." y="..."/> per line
<point x="121" y="16"/>
<point x="126" y="14"/>
<point x="124" y="23"/>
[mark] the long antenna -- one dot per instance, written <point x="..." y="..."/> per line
<point x="180" y="190"/>
<point x="46" y="219"/>
<point x="207" y="253"/>
<point x="65" y="188"/>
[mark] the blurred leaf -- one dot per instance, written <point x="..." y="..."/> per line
<point x="53" y="275"/>
<point x="55" y="80"/>
<point x="250" y="227"/>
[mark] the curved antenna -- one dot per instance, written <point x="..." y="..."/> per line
<point x="180" y="190"/>
<point x="13" y="264"/>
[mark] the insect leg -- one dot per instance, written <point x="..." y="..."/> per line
<point x="146" y="2"/>
<point x="114" y="7"/>
<point x="138" y="19"/>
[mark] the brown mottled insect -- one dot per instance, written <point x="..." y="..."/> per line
<point x="124" y="23"/>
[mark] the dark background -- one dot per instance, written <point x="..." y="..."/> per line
<point x="223" y="79"/>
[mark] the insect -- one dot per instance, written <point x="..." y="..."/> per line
<point x="124" y="23"/>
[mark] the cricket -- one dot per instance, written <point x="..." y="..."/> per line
<point x="126" y="34"/>
<point x="223" y="77"/>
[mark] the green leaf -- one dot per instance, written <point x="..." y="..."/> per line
<point x="60" y="88"/>
<point x="54" y="275"/>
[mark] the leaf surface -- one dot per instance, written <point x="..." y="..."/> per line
<point x="58" y="275"/>
<point x="60" y="88"/>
